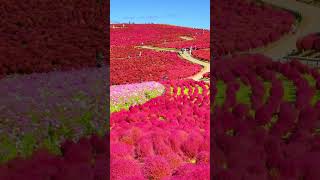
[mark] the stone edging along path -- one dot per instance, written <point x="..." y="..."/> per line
<point x="185" y="55"/>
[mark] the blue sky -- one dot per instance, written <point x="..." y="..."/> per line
<point x="189" y="13"/>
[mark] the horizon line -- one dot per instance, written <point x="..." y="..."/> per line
<point x="159" y="24"/>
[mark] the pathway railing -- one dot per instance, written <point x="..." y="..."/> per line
<point x="310" y="58"/>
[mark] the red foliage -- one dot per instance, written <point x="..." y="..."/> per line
<point x="157" y="35"/>
<point x="156" y="167"/>
<point x="174" y="131"/>
<point x="151" y="66"/>
<point x="203" y="54"/>
<point x="242" y="25"/>
<point x="122" y="168"/>
<point x="42" y="36"/>
<point x="272" y="138"/>
<point x="148" y="65"/>
<point x="79" y="160"/>
<point x="309" y="42"/>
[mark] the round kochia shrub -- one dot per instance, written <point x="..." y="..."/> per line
<point x="309" y="42"/>
<point x="43" y="36"/>
<point x="85" y="160"/>
<point x="166" y="133"/>
<point x="244" y="25"/>
<point x="122" y="168"/>
<point x="156" y="167"/>
<point x="265" y="119"/>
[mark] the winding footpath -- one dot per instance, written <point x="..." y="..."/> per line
<point x="185" y="55"/>
<point x="309" y="24"/>
<point x="186" y="38"/>
<point x="116" y="106"/>
<point x="205" y="65"/>
<point x="159" y="48"/>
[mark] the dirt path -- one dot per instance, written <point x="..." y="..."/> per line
<point x="185" y="55"/>
<point x="309" y="24"/>
<point x="159" y="48"/>
<point x="205" y="65"/>
<point x="186" y="38"/>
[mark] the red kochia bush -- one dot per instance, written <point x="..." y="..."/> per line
<point x="202" y="54"/>
<point x="156" y="167"/>
<point x="192" y="144"/>
<point x="244" y="25"/>
<point x="189" y="171"/>
<point x="279" y="139"/>
<point x="309" y="42"/>
<point x="124" y="39"/>
<point x="124" y="168"/>
<point x="151" y="66"/>
<point x="174" y="131"/>
<point x="43" y="36"/>
<point x="78" y="160"/>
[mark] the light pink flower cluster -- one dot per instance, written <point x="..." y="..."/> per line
<point x="132" y="94"/>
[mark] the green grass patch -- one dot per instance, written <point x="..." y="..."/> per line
<point x="315" y="98"/>
<point x="221" y="93"/>
<point x="243" y="94"/>
<point x="267" y="87"/>
<point x="8" y="149"/>
<point x="310" y="79"/>
<point x="127" y="103"/>
<point x="312" y="82"/>
<point x="289" y="90"/>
